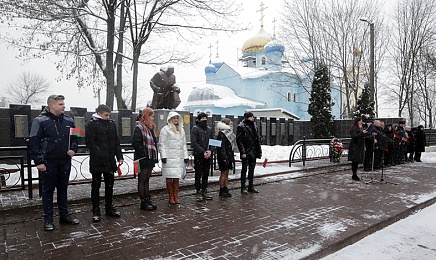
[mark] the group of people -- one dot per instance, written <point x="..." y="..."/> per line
<point x="377" y="145"/>
<point x="52" y="146"/>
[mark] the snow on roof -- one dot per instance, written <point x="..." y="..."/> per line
<point x="217" y="96"/>
<point x="253" y="73"/>
<point x="278" y="109"/>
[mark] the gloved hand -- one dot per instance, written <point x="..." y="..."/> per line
<point x="164" y="160"/>
<point x="186" y="160"/>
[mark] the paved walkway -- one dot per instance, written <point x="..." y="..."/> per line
<point x="309" y="213"/>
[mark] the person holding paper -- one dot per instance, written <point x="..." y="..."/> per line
<point x="174" y="153"/>
<point x="145" y="143"/>
<point x="200" y="135"/>
<point x="225" y="154"/>
<point x="247" y="138"/>
<point x="104" y="145"/>
<point x="51" y="148"/>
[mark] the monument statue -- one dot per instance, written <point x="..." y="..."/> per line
<point x="166" y="92"/>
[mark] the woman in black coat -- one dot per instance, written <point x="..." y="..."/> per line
<point x="357" y="146"/>
<point x="419" y="143"/>
<point x="225" y="154"/>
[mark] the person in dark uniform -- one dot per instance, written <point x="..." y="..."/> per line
<point x="420" y="143"/>
<point x="51" y="148"/>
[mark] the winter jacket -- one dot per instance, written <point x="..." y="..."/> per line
<point x="50" y="138"/>
<point x="247" y="138"/>
<point x="172" y="146"/>
<point x="410" y="142"/>
<point x="200" y="139"/>
<point x="420" y="142"/>
<point x="104" y="145"/>
<point x="225" y="153"/>
<point x="357" y="145"/>
<point x="140" y="150"/>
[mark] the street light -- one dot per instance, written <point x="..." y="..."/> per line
<point x="371" y="59"/>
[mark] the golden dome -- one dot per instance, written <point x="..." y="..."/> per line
<point x="256" y="43"/>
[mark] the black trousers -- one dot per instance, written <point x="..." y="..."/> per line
<point x="108" y="189"/>
<point x="250" y="163"/>
<point x="202" y="170"/>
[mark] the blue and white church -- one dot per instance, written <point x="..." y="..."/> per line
<point x="264" y="85"/>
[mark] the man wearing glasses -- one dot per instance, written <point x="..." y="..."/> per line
<point x="51" y="148"/>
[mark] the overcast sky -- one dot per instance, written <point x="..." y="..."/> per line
<point x="187" y="76"/>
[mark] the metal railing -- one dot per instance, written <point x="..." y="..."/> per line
<point x="313" y="149"/>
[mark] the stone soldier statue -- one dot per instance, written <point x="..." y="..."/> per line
<point x="166" y="92"/>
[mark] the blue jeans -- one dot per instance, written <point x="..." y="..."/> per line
<point x="56" y="176"/>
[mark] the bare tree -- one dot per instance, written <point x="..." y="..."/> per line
<point x="330" y="32"/>
<point x="415" y="23"/>
<point x="27" y="88"/>
<point x="84" y="34"/>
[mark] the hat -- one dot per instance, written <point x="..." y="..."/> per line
<point x="201" y="115"/>
<point x="401" y="122"/>
<point x="420" y="126"/>
<point x="248" y="114"/>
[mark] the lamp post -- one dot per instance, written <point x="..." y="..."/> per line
<point x="371" y="60"/>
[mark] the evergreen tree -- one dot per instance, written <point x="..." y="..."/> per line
<point x="364" y="106"/>
<point x="320" y="106"/>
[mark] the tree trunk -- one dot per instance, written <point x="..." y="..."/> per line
<point x="109" y="70"/>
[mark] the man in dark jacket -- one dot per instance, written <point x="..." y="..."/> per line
<point x="200" y="135"/>
<point x="247" y="139"/>
<point x="104" y="145"/>
<point x="51" y="148"/>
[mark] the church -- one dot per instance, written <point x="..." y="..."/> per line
<point x="265" y="85"/>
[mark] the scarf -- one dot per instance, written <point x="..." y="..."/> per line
<point x="231" y="137"/>
<point x="148" y="142"/>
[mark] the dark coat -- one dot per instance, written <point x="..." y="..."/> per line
<point x="357" y="145"/>
<point x="420" y="141"/>
<point x="104" y="145"/>
<point x="50" y="138"/>
<point x="141" y="151"/>
<point x="225" y="153"/>
<point x="410" y="142"/>
<point x="247" y="139"/>
<point x="200" y="140"/>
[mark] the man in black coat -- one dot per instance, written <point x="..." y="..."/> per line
<point x="51" y="148"/>
<point x="104" y="145"/>
<point x="247" y="139"/>
<point x="200" y="135"/>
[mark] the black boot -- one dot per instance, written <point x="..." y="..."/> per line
<point x="111" y="211"/>
<point x="222" y="192"/>
<point x="150" y="203"/>
<point x="355" y="177"/>
<point x="244" y="190"/>
<point x="227" y="193"/>
<point x="251" y="189"/>
<point x="96" y="214"/>
<point x="145" y="205"/>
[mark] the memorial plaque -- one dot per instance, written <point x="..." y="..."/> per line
<point x="21" y="126"/>
<point x="126" y="126"/>
<point x="273" y="129"/>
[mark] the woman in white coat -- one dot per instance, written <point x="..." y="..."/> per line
<point x="174" y="153"/>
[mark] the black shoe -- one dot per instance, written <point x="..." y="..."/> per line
<point x="112" y="212"/>
<point x="48" y="226"/>
<point x="95" y="218"/>
<point x="69" y="220"/>
<point x="252" y="190"/>
<point x="418" y="161"/>
<point x="226" y="190"/>
<point x="355" y="177"/>
<point x="244" y="191"/>
<point x="205" y="195"/>
<point x="222" y="192"/>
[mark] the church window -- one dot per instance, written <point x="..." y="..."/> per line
<point x="208" y="112"/>
<point x="263" y="61"/>
<point x="295" y="97"/>
<point x="289" y="97"/>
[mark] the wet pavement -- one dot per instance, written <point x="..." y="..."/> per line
<point x="308" y="213"/>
